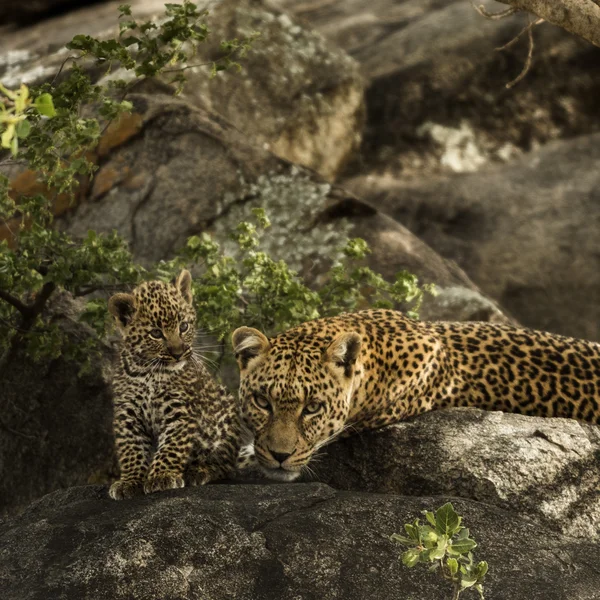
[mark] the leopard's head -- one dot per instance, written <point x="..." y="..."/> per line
<point x="157" y="321"/>
<point x="295" y="392"/>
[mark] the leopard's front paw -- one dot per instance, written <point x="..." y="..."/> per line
<point x="160" y="483"/>
<point x="125" y="489"/>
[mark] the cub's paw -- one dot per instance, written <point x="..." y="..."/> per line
<point x="160" y="483"/>
<point x="125" y="489"/>
<point x="194" y="477"/>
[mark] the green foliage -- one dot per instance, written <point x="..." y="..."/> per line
<point x="446" y="544"/>
<point x="242" y="276"/>
<point x="247" y="286"/>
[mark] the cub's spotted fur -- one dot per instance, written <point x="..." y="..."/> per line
<point x="166" y="402"/>
<point x="304" y="387"/>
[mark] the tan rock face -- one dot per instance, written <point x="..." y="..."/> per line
<point x="296" y="95"/>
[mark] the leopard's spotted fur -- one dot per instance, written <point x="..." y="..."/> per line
<point x="358" y="371"/>
<point x="174" y="424"/>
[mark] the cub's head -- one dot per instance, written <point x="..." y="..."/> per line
<point x="157" y="321"/>
<point x="295" y="392"/>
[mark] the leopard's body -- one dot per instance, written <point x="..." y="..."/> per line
<point x="364" y="370"/>
<point x="174" y="424"/>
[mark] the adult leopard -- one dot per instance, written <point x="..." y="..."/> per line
<point x="363" y="370"/>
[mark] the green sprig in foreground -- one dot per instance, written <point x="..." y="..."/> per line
<point x="447" y="545"/>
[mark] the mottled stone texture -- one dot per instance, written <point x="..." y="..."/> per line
<point x="271" y="542"/>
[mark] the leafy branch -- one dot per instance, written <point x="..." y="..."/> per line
<point x="446" y="544"/>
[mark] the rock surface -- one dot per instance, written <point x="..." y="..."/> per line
<point x="279" y="541"/>
<point x="526" y="232"/>
<point x="295" y="93"/>
<point x="437" y="98"/>
<point x="545" y="470"/>
<point x="55" y="427"/>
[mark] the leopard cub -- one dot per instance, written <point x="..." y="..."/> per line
<point x="174" y="424"/>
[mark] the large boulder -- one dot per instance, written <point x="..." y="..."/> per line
<point x="545" y="470"/>
<point x="55" y="425"/>
<point x="271" y="542"/>
<point x="525" y="232"/>
<point x="205" y="168"/>
<point x="294" y="93"/>
<point x="437" y="99"/>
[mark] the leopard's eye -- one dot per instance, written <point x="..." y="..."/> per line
<point x="261" y="402"/>
<point x="312" y="408"/>
<point x="156" y="334"/>
<point x="184" y="326"/>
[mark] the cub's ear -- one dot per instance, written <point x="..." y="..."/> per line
<point x="122" y="308"/>
<point x="247" y="344"/>
<point x="184" y="284"/>
<point x="343" y="351"/>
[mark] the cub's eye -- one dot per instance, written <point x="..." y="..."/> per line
<point x="183" y="327"/>
<point x="312" y="408"/>
<point x="156" y="334"/>
<point x="261" y="402"/>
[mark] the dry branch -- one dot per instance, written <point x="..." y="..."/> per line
<point x="580" y="17"/>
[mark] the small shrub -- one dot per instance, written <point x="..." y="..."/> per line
<point x="445" y="544"/>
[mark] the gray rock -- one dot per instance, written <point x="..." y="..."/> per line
<point x="299" y="541"/>
<point x="526" y="232"/>
<point x="295" y="94"/>
<point x="437" y="98"/>
<point x="545" y="470"/>
<point x="55" y="426"/>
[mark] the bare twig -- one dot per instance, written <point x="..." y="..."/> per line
<point x="481" y="9"/>
<point x="530" y="26"/>
<point x="64" y="62"/>
<point x="16" y="432"/>
<point x="527" y="61"/>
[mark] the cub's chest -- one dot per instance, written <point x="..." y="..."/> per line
<point x="158" y="400"/>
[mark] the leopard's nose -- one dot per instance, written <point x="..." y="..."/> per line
<point x="280" y="456"/>
<point x="177" y="354"/>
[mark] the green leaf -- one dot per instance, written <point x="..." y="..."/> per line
<point x="479" y="588"/>
<point x="45" y="105"/>
<point x="23" y="129"/>
<point x="430" y="517"/>
<point x="467" y="581"/>
<point x="462" y="546"/>
<point x="410" y="558"/>
<point x="482" y="569"/>
<point x="400" y="539"/>
<point x="439" y="551"/>
<point x="446" y="520"/>
<point x="452" y="566"/>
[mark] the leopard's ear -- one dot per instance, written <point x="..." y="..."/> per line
<point x="184" y="284"/>
<point x="122" y="308"/>
<point x="248" y="343"/>
<point x="343" y="351"/>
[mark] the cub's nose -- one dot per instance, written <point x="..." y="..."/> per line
<point x="280" y="456"/>
<point x="177" y="354"/>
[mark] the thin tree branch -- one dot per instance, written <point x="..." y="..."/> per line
<point x="527" y="61"/>
<point x="482" y="10"/>
<point x="580" y="17"/>
<point x="24" y="309"/>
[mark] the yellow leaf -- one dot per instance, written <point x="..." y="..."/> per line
<point x="7" y="136"/>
